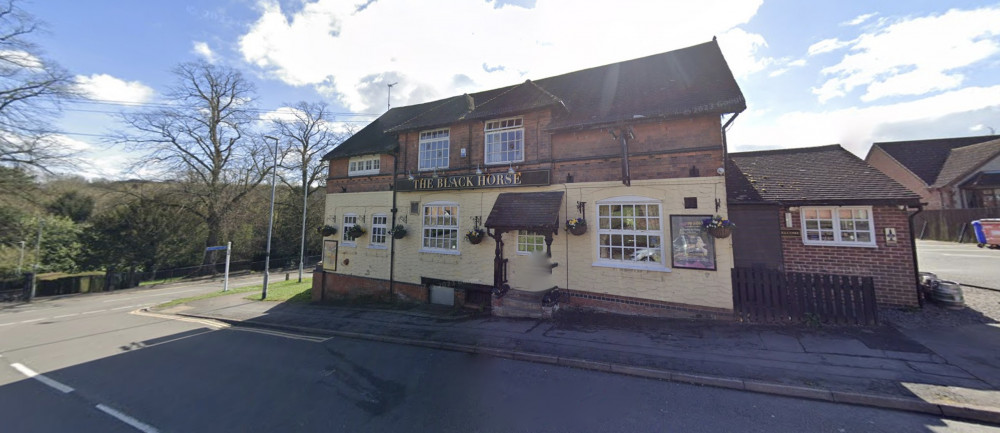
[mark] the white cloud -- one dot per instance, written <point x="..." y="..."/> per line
<point x="856" y="128"/>
<point x="352" y="54"/>
<point x="797" y="63"/>
<point x="860" y="19"/>
<point x="72" y="144"/>
<point x="913" y="56"/>
<point x="21" y="58"/>
<point x="108" y="88"/>
<point x="826" y="45"/>
<point x="202" y="49"/>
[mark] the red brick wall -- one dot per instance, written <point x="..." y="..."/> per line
<point x="883" y="162"/>
<point x="340" y="286"/>
<point x="660" y="149"/>
<point x="891" y="266"/>
<point x="577" y="299"/>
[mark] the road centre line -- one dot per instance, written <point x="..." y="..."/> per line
<point x="139" y="425"/>
<point x="66" y="315"/>
<point x="92" y="312"/>
<point x="129" y="306"/>
<point x="65" y="389"/>
<point x="32" y="320"/>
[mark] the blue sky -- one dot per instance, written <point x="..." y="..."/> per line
<point x="813" y="73"/>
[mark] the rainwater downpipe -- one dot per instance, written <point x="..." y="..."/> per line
<point x="392" y="242"/>
<point x="913" y="250"/>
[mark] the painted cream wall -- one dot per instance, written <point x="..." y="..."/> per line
<point x="574" y="254"/>
<point x="685" y="286"/>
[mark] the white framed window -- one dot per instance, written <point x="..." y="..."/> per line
<point x="630" y="233"/>
<point x="440" y="231"/>
<point x="433" y="150"/>
<point x="505" y="141"/>
<point x="364" y="165"/>
<point x="530" y="242"/>
<point x="380" y="231"/>
<point x="350" y="220"/>
<point x="835" y="225"/>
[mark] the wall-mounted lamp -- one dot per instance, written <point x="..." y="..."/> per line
<point x="409" y="176"/>
<point x="510" y="168"/>
<point x="435" y="175"/>
<point x="478" y="170"/>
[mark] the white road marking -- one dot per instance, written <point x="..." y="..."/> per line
<point x="66" y="315"/>
<point x="206" y="322"/>
<point x="139" y="425"/>
<point x="92" y="312"/>
<point x="5" y="324"/>
<point x="42" y="378"/>
<point x="283" y="334"/>
<point x="978" y="256"/>
<point x="129" y="306"/>
<point x="32" y="320"/>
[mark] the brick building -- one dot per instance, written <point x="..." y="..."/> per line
<point x="823" y="210"/>
<point x="948" y="173"/>
<point x="632" y="148"/>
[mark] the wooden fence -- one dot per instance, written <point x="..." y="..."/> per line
<point x="766" y="295"/>
<point x="952" y="225"/>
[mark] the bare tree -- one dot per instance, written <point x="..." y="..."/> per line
<point x="309" y="133"/>
<point x="31" y="88"/>
<point x="203" y="140"/>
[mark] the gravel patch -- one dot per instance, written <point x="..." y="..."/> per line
<point x="982" y="306"/>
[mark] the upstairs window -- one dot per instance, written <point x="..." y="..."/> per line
<point x="433" y="149"/>
<point x="505" y="141"/>
<point x="363" y="165"/>
<point x="846" y="226"/>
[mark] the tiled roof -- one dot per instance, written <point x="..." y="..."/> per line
<point x="925" y="158"/>
<point x="534" y="211"/>
<point x="812" y="175"/>
<point x="963" y="161"/>
<point x="684" y="82"/>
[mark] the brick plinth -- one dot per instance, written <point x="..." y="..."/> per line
<point x="575" y="299"/>
<point x="340" y="286"/>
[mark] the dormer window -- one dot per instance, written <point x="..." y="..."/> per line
<point x="433" y="149"/>
<point x="505" y="141"/>
<point x="363" y="165"/>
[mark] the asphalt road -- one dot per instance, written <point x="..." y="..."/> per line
<point x="106" y="370"/>
<point x="964" y="263"/>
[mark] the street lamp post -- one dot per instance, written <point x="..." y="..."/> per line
<point x="20" y="261"/>
<point x="270" y="219"/>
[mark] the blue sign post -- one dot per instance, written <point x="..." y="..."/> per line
<point x="229" y="248"/>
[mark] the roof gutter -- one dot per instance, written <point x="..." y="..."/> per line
<point x="725" y="142"/>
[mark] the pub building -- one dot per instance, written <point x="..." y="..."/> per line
<point x="588" y="190"/>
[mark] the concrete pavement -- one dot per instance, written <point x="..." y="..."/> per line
<point x="879" y="367"/>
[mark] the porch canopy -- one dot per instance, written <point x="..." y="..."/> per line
<point x="532" y="211"/>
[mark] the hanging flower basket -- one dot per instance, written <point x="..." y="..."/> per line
<point x="718" y="227"/>
<point x="576" y="226"/>
<point x="398" y="232"/>
<point x="355" y="231"/>
<point x="475" y="235"/>
<point x="326" y="230"/>
<point x="720" y="232"/>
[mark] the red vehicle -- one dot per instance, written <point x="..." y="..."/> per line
<point x="987" y="232"/>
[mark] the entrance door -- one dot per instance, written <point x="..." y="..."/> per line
<point x="757" y="238"/>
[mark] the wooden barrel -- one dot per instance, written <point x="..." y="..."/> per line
<point x="948" y="294"/>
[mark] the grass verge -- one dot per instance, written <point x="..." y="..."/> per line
<point x="208" y="295"/>
<point x="292" y="291"/>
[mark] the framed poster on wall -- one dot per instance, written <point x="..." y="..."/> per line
<point x="691" y="247"/>
<point x="329" y="255"/>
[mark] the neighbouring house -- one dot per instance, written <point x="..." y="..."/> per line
<point x="633" y="149"/>
<point x="948" y="173"/>
<point x="823" y="210"/>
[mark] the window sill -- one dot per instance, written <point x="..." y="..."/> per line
<point x="494" y="164"/>
<point x="436" y="251"/>
<point x="377" y="247"/>
<point x="632" y="266"/>
<point x="363" y="173"/>
<point x="839" y="244"/>
<point x="349" y="244"/>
